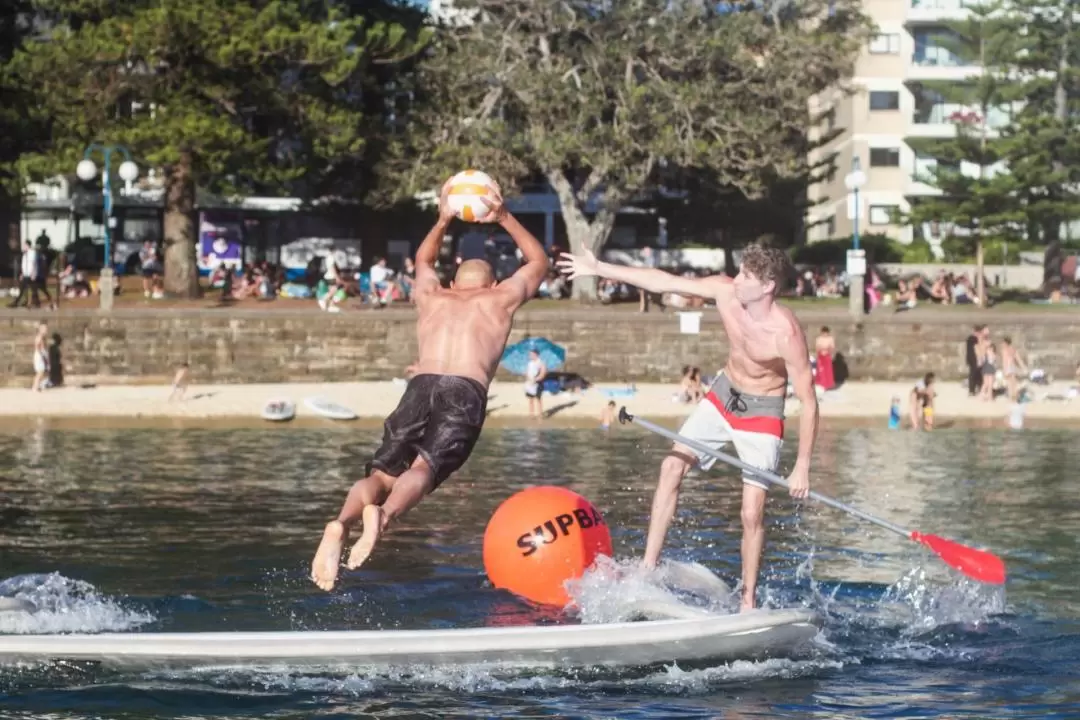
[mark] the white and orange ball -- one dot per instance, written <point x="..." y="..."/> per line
<point x="466" y="194"/>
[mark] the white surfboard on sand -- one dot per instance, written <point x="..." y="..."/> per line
<point x="754" y="635"/>
<point x="329" y="409"/>
<point x="278" y="410"/>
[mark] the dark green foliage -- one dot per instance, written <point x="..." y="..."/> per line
<point x="233" y="96"/>
<point x="603" y="100"/>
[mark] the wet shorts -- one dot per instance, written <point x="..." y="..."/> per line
<point x="438" y="418"/>
<point x="754" y="424"/>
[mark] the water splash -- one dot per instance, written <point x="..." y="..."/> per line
<point x="621" y="590"/>
<point x="962" y="601"/>
<point x="905" y="620"/>
<point x="64" y="605"/>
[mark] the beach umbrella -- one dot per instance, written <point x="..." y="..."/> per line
<point x="516" y="357"/>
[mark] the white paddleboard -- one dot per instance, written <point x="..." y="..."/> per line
<point x="329" y="409"/>
<point x="747" y="636"/>
<point x="278" y="410"/>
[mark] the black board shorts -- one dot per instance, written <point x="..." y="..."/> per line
<point x="439" y="418"/>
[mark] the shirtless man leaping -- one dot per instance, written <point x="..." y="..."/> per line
<point x="462" y="332"/>
<point x="745" y="405"/>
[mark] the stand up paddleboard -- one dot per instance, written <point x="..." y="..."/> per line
<point x="279" y="410"/>
<point x="328" y="409"/>
<point x="756" y="635"/>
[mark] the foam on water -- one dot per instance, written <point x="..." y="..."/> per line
<point x="667" y="679"/>
<point x="63" y="605"/>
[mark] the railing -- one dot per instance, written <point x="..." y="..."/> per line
<point x="939" y="60"/>
<point x="959" y="114"/>
<point x="948" y="5"/>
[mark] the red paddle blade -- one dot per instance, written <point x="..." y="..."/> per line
<point x="977" y="564"/>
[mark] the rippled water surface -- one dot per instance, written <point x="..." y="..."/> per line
<point x="192" y="529"/>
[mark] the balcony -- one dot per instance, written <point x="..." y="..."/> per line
<point x="932" y="12"/>
<point x="921" y="179"/>
<point x="939" y="120"/>
<point x="926" y="66"/>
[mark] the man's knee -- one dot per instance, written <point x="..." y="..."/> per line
<point x="378" y="478"/>
<point x="675" y="466"/>
<point x="753" y="508"/>
<point x="422" y="472"/>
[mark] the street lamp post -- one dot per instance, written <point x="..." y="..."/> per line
<point x="856" y="257"/>
<point x="87" y="171"/>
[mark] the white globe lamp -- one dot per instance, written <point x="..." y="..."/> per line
<point x="129" y="171"/>
<point x="86" y="170"/>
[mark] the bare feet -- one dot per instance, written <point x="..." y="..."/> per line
<point x="373" y="519"/>
<point x="324" y="568"/>
<point x="747" y="604"/>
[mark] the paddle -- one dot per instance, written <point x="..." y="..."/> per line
<point x="977" y="564"/>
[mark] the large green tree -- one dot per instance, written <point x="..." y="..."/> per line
<point x="600" y="97"/>
<point x="234" y="96"/>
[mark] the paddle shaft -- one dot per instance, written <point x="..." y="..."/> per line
<point x="757" y="472"/>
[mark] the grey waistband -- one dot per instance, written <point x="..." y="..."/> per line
<point x="742" y="405"/>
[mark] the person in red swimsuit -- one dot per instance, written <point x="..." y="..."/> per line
<point x="824" y="349"/>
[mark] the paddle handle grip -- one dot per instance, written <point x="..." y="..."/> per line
<point x="773" y="478"/>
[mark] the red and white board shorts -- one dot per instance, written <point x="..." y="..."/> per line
<point x="754" y="424"/>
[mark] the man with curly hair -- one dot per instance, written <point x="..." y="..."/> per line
<point x="745" y="405"/>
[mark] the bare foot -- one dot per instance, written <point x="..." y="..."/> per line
<point x="373" y="518"/>
<point x="747" y="604"/>
<point x="324" y="568"/>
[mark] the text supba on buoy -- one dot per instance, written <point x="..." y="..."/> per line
<point x="559" y="526"/>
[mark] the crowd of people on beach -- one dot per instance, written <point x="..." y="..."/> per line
<point x="993" y="371"/>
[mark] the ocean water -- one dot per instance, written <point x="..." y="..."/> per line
<point x="174" y="529"/>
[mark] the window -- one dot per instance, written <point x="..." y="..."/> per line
<point x="830" y="228"/>
<point x="884" y="100"/>
<point x="884" y="157"/>
<point x="885" y="45"/>
<point x="882" y="214"/>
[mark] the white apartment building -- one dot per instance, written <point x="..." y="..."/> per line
<point x="890" y="112"/>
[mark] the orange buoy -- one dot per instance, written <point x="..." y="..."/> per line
<point x="541" y="537"/>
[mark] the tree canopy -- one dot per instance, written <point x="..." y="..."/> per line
<point x="603" y="98"/>
<point x="235" y="96"/>
<point x="23" y="126"/>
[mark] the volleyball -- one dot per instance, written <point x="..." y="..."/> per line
<point x="467" y="192"/>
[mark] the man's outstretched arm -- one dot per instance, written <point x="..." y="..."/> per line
<point x="650" y="279"/>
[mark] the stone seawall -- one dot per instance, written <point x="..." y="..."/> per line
<point x="231" y="346"/>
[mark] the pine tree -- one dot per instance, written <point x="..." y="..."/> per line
<point x="976" y="196"/>
<point x="1044" y="141"/>
<point x="231" y="96"/>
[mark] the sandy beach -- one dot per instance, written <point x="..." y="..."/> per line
<point x="507" y="404"/>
